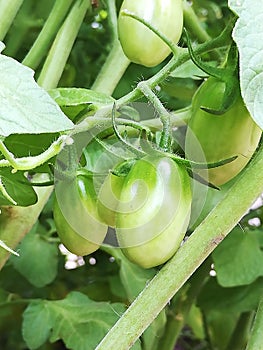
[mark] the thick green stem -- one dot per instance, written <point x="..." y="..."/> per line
<point x="8" y="11"/>
<point x="15" y="222"/>
<point x="255" y="341"/>
<point x="240" y="335"/>
<point x="112" y="70"/>
<point x="61" y="48"/>
<point x="197" y="248"/>
<point x="48" y="32"/>
<point x="116" y="62"/>
<point x="181" y="306"/>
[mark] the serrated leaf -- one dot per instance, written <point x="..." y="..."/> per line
<point x="18" y="188"/>
<point x="238" y="259"/>
<point x="248" y="34"/>
<point x="79" y="96"/>
<point x="38" y="259"/>
<point x="80" y="322"/>
<point x="37" y="324"/>
<point x="25" y="106"/>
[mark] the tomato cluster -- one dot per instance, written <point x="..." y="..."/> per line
<point x="149" y="209"/>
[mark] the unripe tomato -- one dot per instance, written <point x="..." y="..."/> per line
<point x="108" y="198"/>
<point x="233" y="133"/>
<point x="75" y="216"/>
<point x="154" y="210"/>
<point x="139" y="43"/>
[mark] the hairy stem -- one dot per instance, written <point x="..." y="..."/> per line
<point x="162" y="112"/>
<point x="180" y="309"/>
<point x="197" y="248"/>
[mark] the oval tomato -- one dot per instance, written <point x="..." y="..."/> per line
<point x="233" y="133"/>
<point x="154" y="210"/>
<point x="139" y="43"/>
<point x="76" y="218"/>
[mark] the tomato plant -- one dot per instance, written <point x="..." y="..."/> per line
<point x="96" y="156"/>
<point x="139" y="43"/>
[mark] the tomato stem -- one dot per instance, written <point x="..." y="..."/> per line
<point x="62" y="45"/>
<point x="8" y="11"/>
<point x="48" y="32"/>
<point x="133" y="149"/>
<point x="31" y="162"/>
<point x="241" y="332"/>
<point x="112" y="70"/>
<point x="165" y="142"/>
<point x="181" y="305"/>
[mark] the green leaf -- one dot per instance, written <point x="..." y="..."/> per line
<point x="235" y="299"/>
<point x="133" y="277"/>
<point x="80" y="322"/>
<point x="18" y="188"/>
<point x="238" y="259"/>
<point x="37" y="324"/>
<point x="26" y="107"/>
<point x="248" y="34"/>
<point x="38" y="259"/>
<point x="79" y="96"/>
<point x="22" y="145"/>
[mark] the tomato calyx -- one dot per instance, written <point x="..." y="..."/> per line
<point x="227" y="74"/>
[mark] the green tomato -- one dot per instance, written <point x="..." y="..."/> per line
<point x="76" y="218"/>
<point x="139" y="43"/>
<point x="109" y="197"/>
<point x="154" y="210"/>
<point x="233" y="133"/>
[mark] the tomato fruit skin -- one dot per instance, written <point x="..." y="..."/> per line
<point x="78" y="225"/>
<point x="233" y="133"/>
<point x="109" y="197"/>
<point x="139" y="43"/>
<point x="154" y="211"/>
